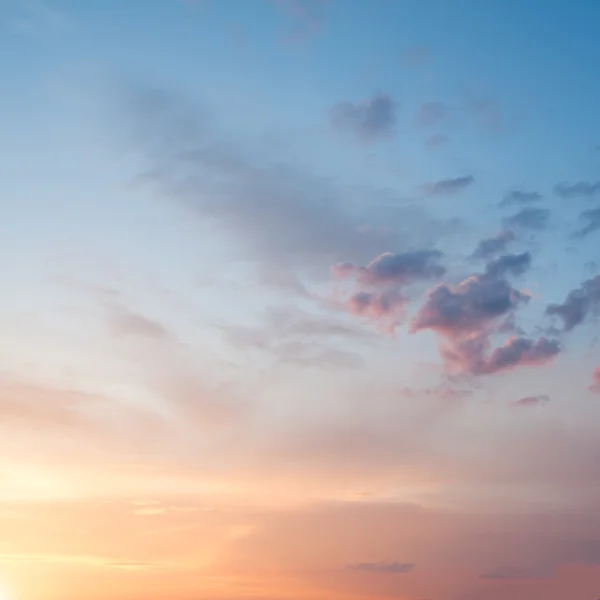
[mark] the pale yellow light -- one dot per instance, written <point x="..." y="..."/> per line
<point x="4" y="594"/>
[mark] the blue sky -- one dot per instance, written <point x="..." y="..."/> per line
<point x="315" y="257"/>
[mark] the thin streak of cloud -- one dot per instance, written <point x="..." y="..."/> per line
<point x="449" y="186"/>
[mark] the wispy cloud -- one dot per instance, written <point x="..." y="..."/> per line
<point x="496" y="244"/>
<point x="520" y="197"/>
<point x="580" y="303"/>
<point x="529" y="218"/>
<point x="584" y="189"/>
<point x="432" y="113"/>
<point x="592" y="217"/>
<point x="368" y="120"/>
<point x="449" y="186"/>
<point x="389" y="568"/>
<point x="531" y="401"/>
<point x="281" y="217"/>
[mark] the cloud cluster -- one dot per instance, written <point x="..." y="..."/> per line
<point x="471" y="306"/>
<point x="380" y="285"/>
<point x="468" y="314"/>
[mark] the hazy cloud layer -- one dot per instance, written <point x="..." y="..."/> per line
<point x="278" y="215"/>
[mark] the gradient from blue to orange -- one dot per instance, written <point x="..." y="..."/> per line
<point x="299" y="300"/>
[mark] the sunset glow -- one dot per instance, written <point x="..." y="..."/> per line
<point x="300" y="300"/>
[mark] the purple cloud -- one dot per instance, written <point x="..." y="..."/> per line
<point x="469" y="307"/>
<point x="380" y="296"/>
<point x="472" y="355"/>
<point x="396" y="268"/>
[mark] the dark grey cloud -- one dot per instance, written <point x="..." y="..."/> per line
<point x="531" y="401"/>
<point x="489" y="247"/>
<point x="592" y="217"/>
<point x="432" y="113"/>
<point x="584" y="189"/>
<point x="579" y="303"/>
<point x="467" y="315"/>
<point x="468" y="307"/>
<point x="398" y="268"/>
<point x="281" y="217"/>
<point x="521" y="351"/>
<point x="520" y="197"/>
<point x="368" y="120"/>
<point x="449" y="186"/>
<point x="382" y="567"/>
<point x="529" y="218"/>
<point x="513" y="264"/>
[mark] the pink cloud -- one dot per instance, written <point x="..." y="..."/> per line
<point x="387" y="307"/>
<point x="472" y="355"/>
<point x="531" y="401"/>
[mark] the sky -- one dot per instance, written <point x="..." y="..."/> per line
<point x="300" y="300"/>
